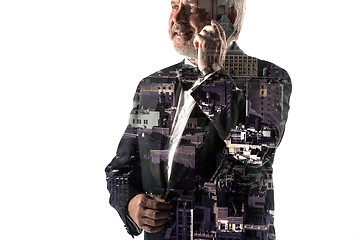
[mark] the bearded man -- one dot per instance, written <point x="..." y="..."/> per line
<point x="195" y="161"/>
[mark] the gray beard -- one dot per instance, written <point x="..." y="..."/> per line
<point x="187" y="50"/>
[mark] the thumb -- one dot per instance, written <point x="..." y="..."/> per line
<point x="159" y="199"/>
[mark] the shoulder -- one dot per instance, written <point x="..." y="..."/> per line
<point x="239" y="64"/>
<point x="158" y="88"/>
<point x="168" y="71"/>
<point x="273" y="70"/>
<point x="162" y="76"/>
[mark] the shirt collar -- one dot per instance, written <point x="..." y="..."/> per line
<point x="186" y="61"/>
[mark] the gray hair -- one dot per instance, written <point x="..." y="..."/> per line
<point x="239" y="5"/>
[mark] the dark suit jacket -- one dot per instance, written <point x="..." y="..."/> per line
<point x="221" y="180"/>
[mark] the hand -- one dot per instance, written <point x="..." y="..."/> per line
<point x="149" y="212"/>
<point x="211" y="41"/>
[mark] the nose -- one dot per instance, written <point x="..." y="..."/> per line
<point x="181" y="15"/>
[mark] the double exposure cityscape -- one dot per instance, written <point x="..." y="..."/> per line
<point x="221" y="184"/>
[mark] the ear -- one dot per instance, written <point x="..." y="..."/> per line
<point x="232" y="15"/>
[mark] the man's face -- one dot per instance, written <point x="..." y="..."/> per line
<point x="187" y="19"/>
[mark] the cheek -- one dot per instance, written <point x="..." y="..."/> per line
<point x="195" y="22"/>
<point x="171" y="22"/>
<point x="169" y="29"/>
<point x="199" y="21"/>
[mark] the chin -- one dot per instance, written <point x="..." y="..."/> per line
<point x="187" y="50"/>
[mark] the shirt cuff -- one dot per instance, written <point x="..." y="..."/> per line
<point x="215" y="67"/>
<point x="133" y="225"/>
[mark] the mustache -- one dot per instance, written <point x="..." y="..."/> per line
<point x="181" y="26"/>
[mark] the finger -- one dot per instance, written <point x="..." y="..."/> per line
<point x="156" y="214"/>
<point x="198" y="39"/>
<point x="208" y="30"/>
<point x="150" y="229"/>
<point x="159" y="199"/>
<point x="219" y="29"/>
<point x="153" y="222"/>
<point x="156" y="205"/>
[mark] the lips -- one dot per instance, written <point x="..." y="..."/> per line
<point x="182" y="32"/>
<point x="183" y="36"/>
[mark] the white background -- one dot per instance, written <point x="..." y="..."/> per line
<point x="68" y="71"/>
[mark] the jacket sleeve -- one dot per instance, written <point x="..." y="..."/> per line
<point x="123" y="176"/>
<point x="255" y="140"/>
<point x="264" y="104"/>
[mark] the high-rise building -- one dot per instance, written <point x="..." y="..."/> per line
<point x="238" y="64"/>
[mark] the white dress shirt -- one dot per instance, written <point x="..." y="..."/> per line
<point x="185" y="106"/>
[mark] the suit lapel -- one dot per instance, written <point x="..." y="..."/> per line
<point x="159" y="171"/>
<point x="223" y="119"/>
<point x="229" y="115"/>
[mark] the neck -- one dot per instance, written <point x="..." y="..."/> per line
<point x="193" y="61"/>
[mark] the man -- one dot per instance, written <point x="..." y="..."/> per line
<point x="195" y="160"/>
